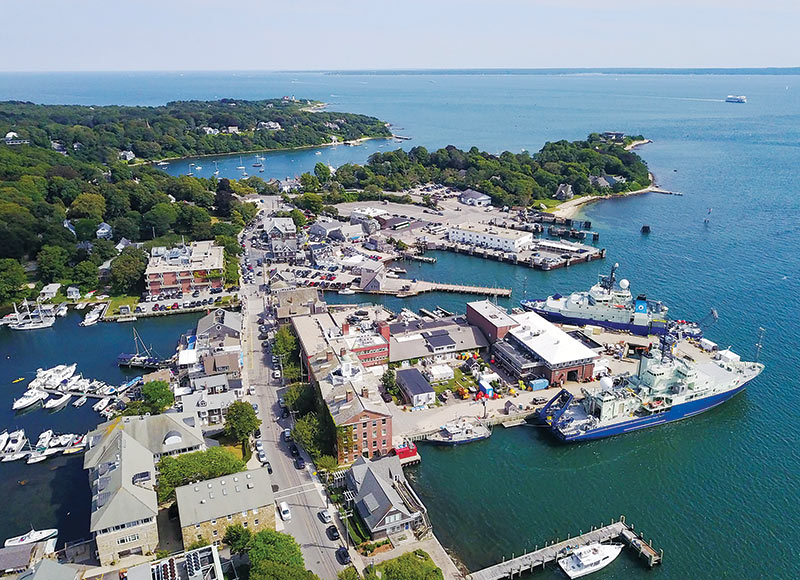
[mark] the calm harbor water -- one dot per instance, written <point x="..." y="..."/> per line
<point x="717" y="492"/>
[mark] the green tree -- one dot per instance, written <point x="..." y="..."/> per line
<point x="197" y="544"/>
<point x="86" y="228"/>
<point x="177" y="470"/>
<point x="241" y="420"/>
<point x="223" y="200"/>
<point x="270" y="570"/>
<point x="160" y="219"/>
<point x="85" y="275"/>
<point x="157" y="396"/>
<point x="300" y="397"/>
<point x="298" y="217"/>
<point x="285" y="345"/>
<point x="127" y="270"/>
<point x="326" y="463"/>
<point x="12" y="281"/>
<point x="103" y="250"/>
<point x="310" y="183"/>
<point x="389" y="382"/>
<point x="322" y="172"/>
<point x="272" y="546"/>
<point x="348" y="573"/>
<point x="125" y="227"/>
<point x="52" y="261"/>
<point x="416" y="565"/>
<point x="88" y="205"/>
<point x="237" y="538"/>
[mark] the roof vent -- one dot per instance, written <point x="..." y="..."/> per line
<point x="202" y="501"/>
<point x="196" y="488"/>
<point x="235" y="479"/>
<point x="209" y="485"/>
<point x="250" y="486"/>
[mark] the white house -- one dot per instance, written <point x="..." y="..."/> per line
<point x="73" y="293"/>
<point x="416" y="390"/>
<point x="476" y="198"/>
<point x="49" y="292"/>
<point x="489" y="236"/>
<point x="104" y="231"/>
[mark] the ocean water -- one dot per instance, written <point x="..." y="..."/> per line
<point x="718" y="492"/>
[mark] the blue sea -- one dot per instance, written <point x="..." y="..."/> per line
<point x="718" y="492"/>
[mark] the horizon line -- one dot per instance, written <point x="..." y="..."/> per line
<point x="615" y="69"/>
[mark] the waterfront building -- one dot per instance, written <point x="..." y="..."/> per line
<point x="207" y="508"/>
<point x="121" y="457"/>
<point x="362" y="214"/>
<point x="197" y="266"/>
<point x="438" y="341"/>
<point x="538" y="348"/>
<point x="289" y="184"/>
<point x="218" y="325"/>
<point x="564" y="192"/>
<point x="48" y="569"/>
<point x="49" y="291"/>
<point x="383" y="498"/>
<point x="73" y="293"/>
<point x="415" y="388"/>
<point x="476" y="198"/>
<point x="208" y="398"/>
<point x="288" y="303"/>
<point x="493" y="320"/>
<point x="489" y="236"/>
<point x="30" y="557"/>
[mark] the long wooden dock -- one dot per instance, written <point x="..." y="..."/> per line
<point x="551" y="552"/>
<point x="424" y="286"/>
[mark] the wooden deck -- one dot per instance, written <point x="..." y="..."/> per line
<point x="551" y="552"/>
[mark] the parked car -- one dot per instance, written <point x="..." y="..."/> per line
<point x="294" y="450"/>
<point x="332" y="532"/>
<point x="286" y="515"/>
<point x="287" y="435"/>
<point x="268" y="466"/>
<point x="255" y="407"/>
<point x="262" y="456"/>
<point x="325" y="516"/>
<point x="299" y="462"/>
<point x="341" y="554"/>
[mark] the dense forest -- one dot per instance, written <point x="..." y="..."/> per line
<point x="182" y="128"/>
<point x="509" y="178"/>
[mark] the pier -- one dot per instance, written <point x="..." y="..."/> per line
<point x="551" y="552"/>
<point x="422" y="286"/>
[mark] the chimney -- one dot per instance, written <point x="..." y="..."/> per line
<point x="345" y="329"/>
<point x="342" y="351"/>
<point x="329" y="355"/>
<point x="348" y="395"/>
<point x="365" y="392"/>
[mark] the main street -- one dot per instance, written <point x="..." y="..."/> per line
<point x="301" y="489"/>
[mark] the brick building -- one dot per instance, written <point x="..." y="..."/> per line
<point x="198" y="266"/>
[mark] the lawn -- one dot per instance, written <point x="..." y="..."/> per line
<point x="233" y="446"/>
<point x="459" y="380"/>
<point x="116" y="301"/>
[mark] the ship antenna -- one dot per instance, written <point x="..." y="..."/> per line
<point x="667" y="341"/>
<point x="760" y="342"/>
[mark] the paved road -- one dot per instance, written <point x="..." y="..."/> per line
<point x="299" y="488"/>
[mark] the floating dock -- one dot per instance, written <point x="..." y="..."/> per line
<point x="422" y="286"/>
<point x="540" y="557"/>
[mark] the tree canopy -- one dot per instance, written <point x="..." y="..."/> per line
<point x="12" y="281"/>
<point x="241" y="420"/>
<point x="272" y="546"/>
<point x="177" y="470"/>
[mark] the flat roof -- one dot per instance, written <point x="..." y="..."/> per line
<point x="547" y="341"/>
<point x="492" y="313"/>
<point x="214" y="498"/>
<point x="491" y="230"/>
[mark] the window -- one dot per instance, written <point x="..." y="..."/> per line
<point x="255" y="523"/>
<point x="255" y="511"/>
<point x="214" y="533"/>
<point x="197" y="526"/>
<point x="374" y="443"/>
<point x="374" y="423"/>
<point x="383" y="443"/>
<point x="244" y="524"/>
<point x="383" y="432"/>
<point x="364" y="435"/>
<point x="383" y="421"/>
<point x="127" y="539"/>
<point x="199" y="536"/>
<point x="244" y="514"/>
<point x="213" y="522"/>
<point x="230" y="518"/>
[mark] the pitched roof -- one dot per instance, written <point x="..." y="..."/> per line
<point x="375" y="494"/>
<point x="219" y="317"/>
<point x="219" y="497"/>
<point x="48" y="569"/>
<point x="472" y="194"/>
<point x="412" y="382"/>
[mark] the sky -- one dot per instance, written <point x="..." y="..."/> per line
<point x="183" y="35"/>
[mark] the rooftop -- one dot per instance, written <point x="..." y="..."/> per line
<point x="214" y="498"/>
<point x="492" y="313"/>
<point x="202" y="255"/>
<point x="549" y="342"/>
<point x="486" y="229"/>
<point x="413" y="382"/>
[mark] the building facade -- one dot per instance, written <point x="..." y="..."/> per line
<point x="489" y="236"/>
<point x="198" y="266"/>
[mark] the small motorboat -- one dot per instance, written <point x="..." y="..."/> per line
<point x="101" y="404"/>
<point x="58" y="401"/>
<point x="589" y="558"/>
<point x="80" y="402"/>
<point x="31" y="537"/>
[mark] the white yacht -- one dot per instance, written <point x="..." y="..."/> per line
<point x="3" y="440"/>
<point x="44" y="440"/>
<point x="62" y="310"/>
<point x="16" y="441"/>
<point x="101" y="404"/>
<point x="94" y="315"/>
<point x="32" y="320"/>
<point x="31" y="537"/>
<point x="58" y="401"/>
<point x="28" y="399"/>
<point x="346" y="291"/>
<point x="590" y="558"/>
<point x="80" y="402"/>
<point x="736" y="99"/>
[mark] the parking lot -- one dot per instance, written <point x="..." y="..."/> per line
<point x="183" y="300"/>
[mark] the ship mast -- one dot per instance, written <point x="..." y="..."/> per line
<point x="760" y="342"/>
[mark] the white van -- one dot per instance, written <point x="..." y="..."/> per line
<point x="286" y="514"/>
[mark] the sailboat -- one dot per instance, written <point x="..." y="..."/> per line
<point x="241" y="164"/>
<point x="27" y="320"/>
<point x="258" y="162"/>
<point x="190" y="169"/>
<point x="216" y="168"/>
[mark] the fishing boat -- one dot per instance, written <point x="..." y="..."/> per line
<point x="80" y="402"/>
<point x="736" y="99"/>
<point x="36" y="457"/>
<point x="162" y="163"/>
<point x="459" y="433"/>
<point x="58" y="401"/>
<point x="590" y="558"/>
<point x="28" y="399"/>
<point x="101" y="404"/>
<point x="198" y="167"/>
<point x="216" y="168"/>
<point x="31" y="537"/>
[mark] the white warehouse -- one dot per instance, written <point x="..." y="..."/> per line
<point x="490" y="236"/>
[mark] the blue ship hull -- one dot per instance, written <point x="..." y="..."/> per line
<point x="639" y="329"/>
<point x="676" y="413"/>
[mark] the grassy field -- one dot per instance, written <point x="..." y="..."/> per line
<point x="459" y="380"/>
<point x="234" y="447"/>
<point x="117" y="301"/>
